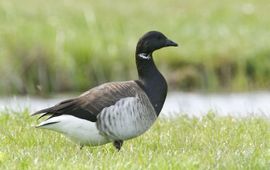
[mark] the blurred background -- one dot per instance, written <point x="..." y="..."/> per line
<point x="52" y="47"/>
<point x="62" y="46"/>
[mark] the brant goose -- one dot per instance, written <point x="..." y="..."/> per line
<point x="115" y="111"/>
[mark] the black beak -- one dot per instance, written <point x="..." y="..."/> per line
<point x="170" y="43"/>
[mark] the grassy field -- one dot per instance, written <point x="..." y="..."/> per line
<point x="58" y="46"/>
<point x="183" y="143"/>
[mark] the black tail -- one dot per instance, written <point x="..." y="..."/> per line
<point x="54" y="109"/>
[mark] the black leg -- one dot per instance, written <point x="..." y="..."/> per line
<point x="81" y="147"/>
<point x="118" y="144"/>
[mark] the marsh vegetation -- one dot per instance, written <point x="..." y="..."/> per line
<point x="62" y="46"/>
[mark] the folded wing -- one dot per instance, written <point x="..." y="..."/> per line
<point x="91" y="103"/>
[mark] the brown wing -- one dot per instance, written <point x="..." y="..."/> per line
<point x="89" y="104"/>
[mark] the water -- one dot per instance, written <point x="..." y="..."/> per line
<point x="191" y="104"/>
<point x="235" y="104"/>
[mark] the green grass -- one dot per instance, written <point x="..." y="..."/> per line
<point x="183" y="143"/>
<point x="58" y="46"/>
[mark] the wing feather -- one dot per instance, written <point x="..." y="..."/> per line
<point x="91" y="103"/>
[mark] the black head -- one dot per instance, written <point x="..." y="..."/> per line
<point x="152" y="41"/>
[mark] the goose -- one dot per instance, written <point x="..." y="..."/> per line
<point x="114" y="111"/>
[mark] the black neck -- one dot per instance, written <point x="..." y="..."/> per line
<point x="151" y="81"/>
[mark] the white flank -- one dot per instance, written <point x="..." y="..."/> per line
<point x="78" y="130"/>
<point x="144" y="56"/>
<point x="127" y="118"/>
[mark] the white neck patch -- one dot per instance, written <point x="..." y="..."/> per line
<point x="144" y="56"/>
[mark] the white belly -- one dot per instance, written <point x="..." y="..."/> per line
<point x="78" y="130"/>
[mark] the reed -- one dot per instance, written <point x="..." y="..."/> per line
<point x="63" y="46"/>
